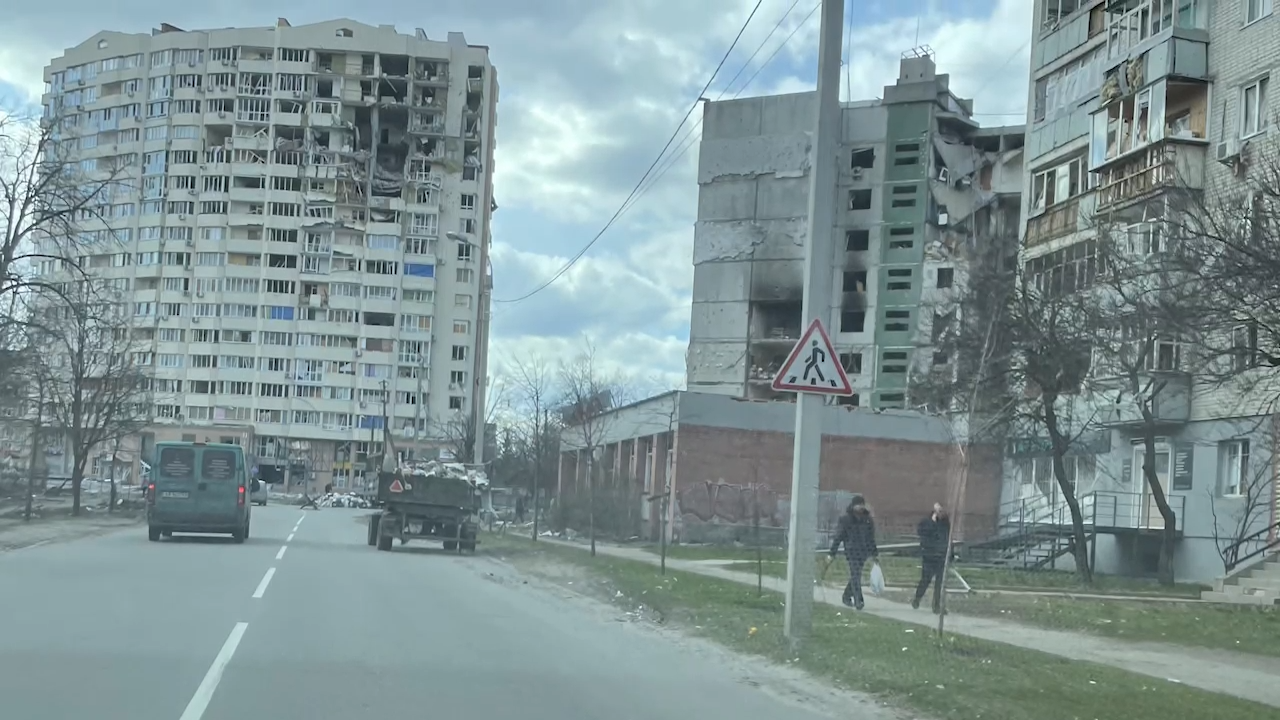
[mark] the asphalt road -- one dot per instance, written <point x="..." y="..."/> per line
<point x="306" y="621"/>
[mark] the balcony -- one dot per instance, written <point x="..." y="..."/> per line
<point x="1058" y="221"/>
<point x="1150" y="140"/>
<point x="1131" y="23"/>
<point x="1149" y="172"/>
<point x="1171" y="406"/>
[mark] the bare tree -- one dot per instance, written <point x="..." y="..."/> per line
<point x="52" y="203"/>
<point x="460" y="430"/>
<point x="1241" y="506"/>
<point x="95" y="367"/>
<point x="1155" y="311"/>
<point x="532" y="381"/>
<point x="1019" y="346"/>
<point x="590" y="393"/>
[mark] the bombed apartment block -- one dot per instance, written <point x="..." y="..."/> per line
<point x="322" y="194"/>
<point x="925" y="193"/>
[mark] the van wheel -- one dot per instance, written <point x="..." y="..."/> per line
<point x="166" y="533"/>
<point x="153" y="533"/>
<point x="240" y="533"/>
<point x="246" y="528"/>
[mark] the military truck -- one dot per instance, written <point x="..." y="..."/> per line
<point x="433" y="501"/>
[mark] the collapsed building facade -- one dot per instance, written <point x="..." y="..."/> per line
<point x="924" y="192"/>
<point x="307" y="232"/>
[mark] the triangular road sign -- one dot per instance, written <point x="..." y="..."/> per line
<point x="813" y="366"/>
<point x="396" y="486"/>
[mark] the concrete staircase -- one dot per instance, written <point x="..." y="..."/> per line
<point x="1259" y="585"/>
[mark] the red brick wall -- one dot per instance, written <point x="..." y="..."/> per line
<point x="900" y="479"/>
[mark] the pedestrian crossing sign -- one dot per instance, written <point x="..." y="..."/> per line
<point x="813" y="366"/>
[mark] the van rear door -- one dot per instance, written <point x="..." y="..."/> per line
<point x="175" y="478"/>
<point x="218" y="486"/>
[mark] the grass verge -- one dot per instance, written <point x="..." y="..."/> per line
<point x="1243" y="628"/>
<point x="900" y="664"/>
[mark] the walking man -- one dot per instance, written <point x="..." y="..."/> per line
<point x="935" y="536"/>
<point x="857" y="531"/>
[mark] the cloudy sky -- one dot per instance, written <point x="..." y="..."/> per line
<point x="591" y="91"/>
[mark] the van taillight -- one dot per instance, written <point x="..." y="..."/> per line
<point x="240" y="496"/>
<point x="151" y="493"/>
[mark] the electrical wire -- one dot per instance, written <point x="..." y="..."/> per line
<point x="689" y="140"/>
<point x="572" y="261"/>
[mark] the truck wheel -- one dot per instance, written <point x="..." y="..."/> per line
<point x="450" y="545"/>
<point x="153" y="533"/>
<point x="373" y="530"/>
<point x="469" y="546"/>
<point x="384" y="542"/>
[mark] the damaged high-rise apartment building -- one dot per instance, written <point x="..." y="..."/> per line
<point x="306" y="233"/>
<point x="924" y="191"/>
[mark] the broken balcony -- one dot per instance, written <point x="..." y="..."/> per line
<point x="1146" y="143"/>
<point x="776" y="322"/>
<point x="1130" y="23"/>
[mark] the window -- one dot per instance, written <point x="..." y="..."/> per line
<point x="1255" y="10"/>
<point x="946" y="277"/>
<point x="859" y="199"/>
<point x="1253" y="108"/>
<point x="465" y="275"/>
<point x="468" y="202"/>
<point x="1144" y="239"/>
<point x="854" y="281"/>
<point x="1244" y="347"/>
<point x="852" y="320"/>
<point x="1059" y="184"/>
<point x="459" y="352"/>
<point x="1233" y="458"/>
<point x="455" y="402"/>
<point x="462" y="327"/>
<point x="857" y="240"/>
<point x="851" y="362"/>
<point x="864" y="158"/>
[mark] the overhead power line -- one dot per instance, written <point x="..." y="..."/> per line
<point x="649" y="171"/>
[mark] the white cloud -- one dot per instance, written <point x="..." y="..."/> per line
<point x="590" y="90"/>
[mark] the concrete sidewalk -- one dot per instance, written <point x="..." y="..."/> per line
<point x="1251" y="677"/>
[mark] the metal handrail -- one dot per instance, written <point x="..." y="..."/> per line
<point x="1231" y="554"/>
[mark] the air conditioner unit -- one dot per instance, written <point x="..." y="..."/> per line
<point x="857" y="173"/>
<point x="1226" y="152"/>
<point x="182" y="217"/>
<point x="225" y="62"/>
<point x="132" y="93"/>
<point x="190" y="242"/>
<point x="944" y="175"/>
<point x="222" y="113"/>
<point x="200" y="294"/>
<point x="942" y="219"/>
<point x="186" y="293"/>
<point x="191" y="63"/>
<point x="200" y="89"/>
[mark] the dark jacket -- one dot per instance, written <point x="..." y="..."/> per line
<point x="858" y="533"/>
<point x="933" y="537"/>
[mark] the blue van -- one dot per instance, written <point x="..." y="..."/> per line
<point x="198" y="488"/>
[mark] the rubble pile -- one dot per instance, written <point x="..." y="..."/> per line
<point x="343" y="500"/>
<point x="458" y="471"/>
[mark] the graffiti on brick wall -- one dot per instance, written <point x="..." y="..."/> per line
<point x="731" y="503"/>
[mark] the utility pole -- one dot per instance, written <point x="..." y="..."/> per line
<point x="807" y="453"/>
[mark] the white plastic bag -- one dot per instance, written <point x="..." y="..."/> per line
<point x="877" y="580"/>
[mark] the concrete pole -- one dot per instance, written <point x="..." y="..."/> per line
<point x="806" y="456"/>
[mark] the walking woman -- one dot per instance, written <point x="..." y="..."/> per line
<point x="857" y="532"/>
